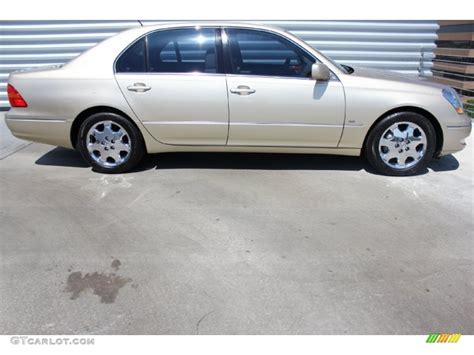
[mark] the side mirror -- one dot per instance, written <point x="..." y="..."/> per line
<point x="319" y="71"/>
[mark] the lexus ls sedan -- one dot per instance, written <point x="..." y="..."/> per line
<point x="231" y="87"/>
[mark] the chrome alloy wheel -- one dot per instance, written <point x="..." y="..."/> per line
<point x="108" y="144"/>
<point x="402" y="145"/>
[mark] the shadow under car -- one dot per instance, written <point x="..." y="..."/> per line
<point x="244" y="161"/>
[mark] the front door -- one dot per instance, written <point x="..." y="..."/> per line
<point x="172" y="82"/>
<point x="272" y="99"/>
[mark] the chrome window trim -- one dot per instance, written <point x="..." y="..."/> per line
<point x="333" y="77"/>
<point x="171" y="73"/>
<point x="194" y="74"/>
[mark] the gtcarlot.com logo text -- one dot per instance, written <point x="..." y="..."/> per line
<point x="32" y="340"/>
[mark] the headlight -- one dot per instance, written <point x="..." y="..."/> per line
<point x="453" y="98"/>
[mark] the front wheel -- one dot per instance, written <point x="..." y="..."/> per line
<point x="401" y="144"/>
<point x="110" y="143"/>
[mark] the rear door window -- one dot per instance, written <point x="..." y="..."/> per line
<point x="133" y="59"/>
<point x="183" y="51"/>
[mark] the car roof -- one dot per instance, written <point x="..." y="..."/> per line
<point x="208" y="24"/>
<point x="182" y="24"/>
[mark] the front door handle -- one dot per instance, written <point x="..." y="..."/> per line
<point x="139" y="87"/>
<point x="242" y="90"/>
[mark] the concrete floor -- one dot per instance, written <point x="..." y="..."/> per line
<point x="234" y="244"/>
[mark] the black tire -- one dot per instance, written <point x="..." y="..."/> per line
<point x="371" y="147"/>
<point x="134" y="141"/>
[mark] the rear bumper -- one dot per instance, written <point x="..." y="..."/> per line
<point x="455" y="138"/>
<point x="43" y="130"/>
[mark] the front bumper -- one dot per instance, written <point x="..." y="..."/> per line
<point x="455" y="138"/>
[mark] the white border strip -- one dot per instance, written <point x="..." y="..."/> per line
<point x="246" y="345"/>
<point x="241" y="10"/>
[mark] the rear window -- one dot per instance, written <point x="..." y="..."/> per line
<point x="133" y="59"/>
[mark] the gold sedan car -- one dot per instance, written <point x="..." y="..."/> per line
<point x="231" y="87"/>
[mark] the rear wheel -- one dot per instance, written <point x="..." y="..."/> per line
<point x="110" y="143"/>
<point x="401" y="144"/>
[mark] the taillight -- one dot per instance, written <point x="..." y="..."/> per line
<point x="16" y="100"/>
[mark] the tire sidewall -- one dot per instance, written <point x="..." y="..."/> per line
<point x="372" y="143"/>
<point x="136" y="142"/>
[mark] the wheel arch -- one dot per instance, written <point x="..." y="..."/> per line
<point x="81" y="117"/>
<point x="433" y="120"/>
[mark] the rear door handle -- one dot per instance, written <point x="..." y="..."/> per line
<point x="242" y="90"/>
<point x="139" y="87"/>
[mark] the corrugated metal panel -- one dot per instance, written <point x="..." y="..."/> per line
<point x="393" y="45"/>
<point x="25" y="44"/>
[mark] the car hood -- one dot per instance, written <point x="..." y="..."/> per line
<point x="387" y="75"/>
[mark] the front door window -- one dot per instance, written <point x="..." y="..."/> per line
<point x="262" y="53"/>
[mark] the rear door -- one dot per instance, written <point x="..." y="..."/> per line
<point x="174" y="84"/>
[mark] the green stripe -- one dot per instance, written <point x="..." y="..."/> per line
<point x="432" y="337"/>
